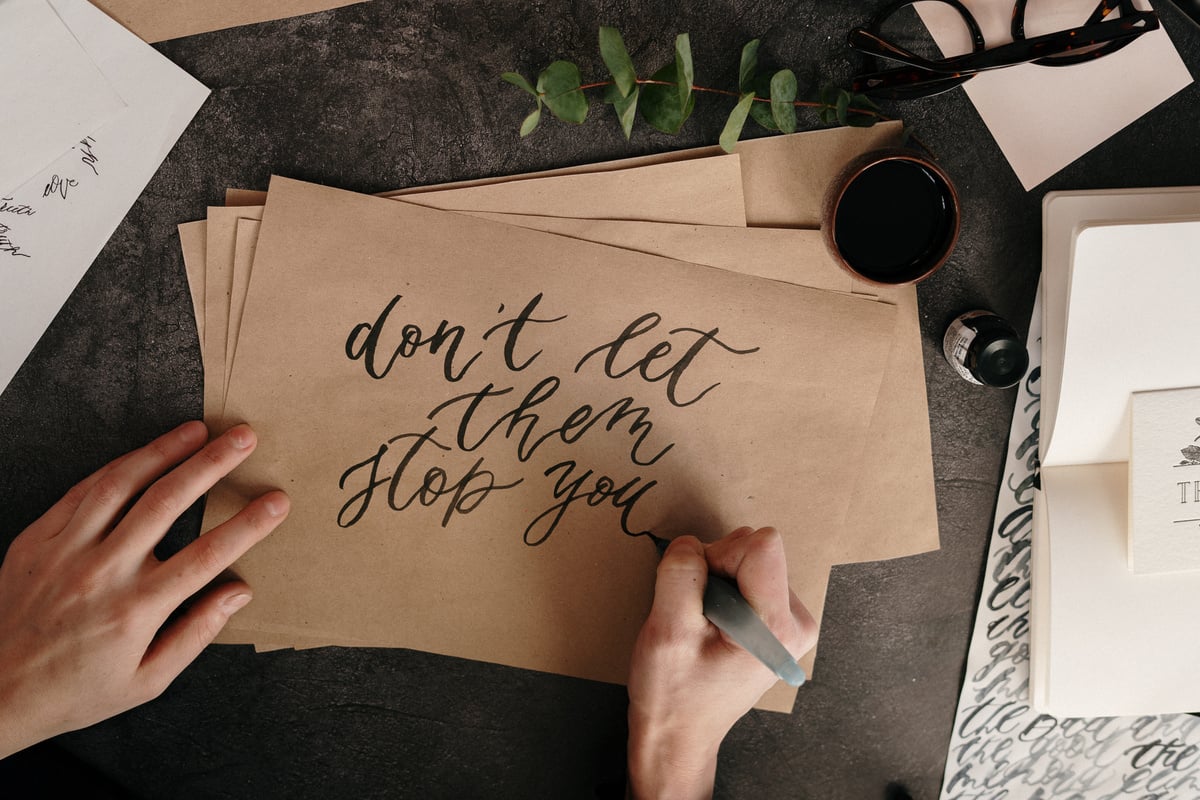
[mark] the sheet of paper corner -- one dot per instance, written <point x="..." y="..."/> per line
<point x="65" y="234"/>
<point x="1043" y="118"/>
<point x="61" y="97"/>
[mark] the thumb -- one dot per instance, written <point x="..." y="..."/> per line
<point x="679" y="587"/>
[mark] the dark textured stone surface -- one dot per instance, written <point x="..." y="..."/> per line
<point x="390" y="94"/>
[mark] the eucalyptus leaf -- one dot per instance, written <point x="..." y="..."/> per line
<point x="626" y="108"/>
<point x="840" y="107"/>
<point x="531" y="121"/>
<point x="558" y="85"/>
<point x="783" y="97"/>
<point x="660" y="104"/>
<point x="748" y="66"/>
<point x="828" y="99"/>
<point x="737" y="120"/>
<point x="760" y="112"/>
<point x="858" y="115"/>
<point x="616" y="58"/>
<point x="686" y="73"/>
<point x="519" y="81"/>
<point x="668" y="97"/>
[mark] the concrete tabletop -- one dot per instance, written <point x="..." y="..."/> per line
<point x="388" y="94"/>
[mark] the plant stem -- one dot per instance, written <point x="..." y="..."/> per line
<point x="798" y="103"/>
<point x="727" y="93"/>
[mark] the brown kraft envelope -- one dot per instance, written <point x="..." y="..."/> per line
<point x="473" y="570"/>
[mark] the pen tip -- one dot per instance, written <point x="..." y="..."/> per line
<point x="793" y="674"/>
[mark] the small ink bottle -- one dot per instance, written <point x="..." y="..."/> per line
<point x="984" y="349"/>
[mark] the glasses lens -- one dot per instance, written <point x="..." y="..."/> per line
<point x="1051" y="16"/>
<point x="905" y="30"/>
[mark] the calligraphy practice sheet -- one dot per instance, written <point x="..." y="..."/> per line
<point x="508" y="476"/>
<point x="54" y="225"/>
<point x="60" y="97"/>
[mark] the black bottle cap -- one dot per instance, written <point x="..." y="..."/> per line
<point x="1002" y="362"/>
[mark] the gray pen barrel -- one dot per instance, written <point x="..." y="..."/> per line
<point x="728" y="610"/>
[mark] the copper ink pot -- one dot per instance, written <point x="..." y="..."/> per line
<point x="891" y="217"/>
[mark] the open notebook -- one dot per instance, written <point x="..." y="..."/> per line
<point x="1122" y="288"/>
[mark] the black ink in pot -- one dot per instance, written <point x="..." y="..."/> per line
<point x="890" y="217"/>
<point x="984" y="349"/>
<point x="894" y="221"/>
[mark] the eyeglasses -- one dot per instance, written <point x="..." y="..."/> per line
<point x="1103" y="33"/>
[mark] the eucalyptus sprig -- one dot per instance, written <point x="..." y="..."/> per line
<point x="667" y="98"/>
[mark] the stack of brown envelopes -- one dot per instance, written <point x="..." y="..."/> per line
<point x="481" y="397"/>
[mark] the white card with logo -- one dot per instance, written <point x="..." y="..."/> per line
<point x="1164" y="481"/>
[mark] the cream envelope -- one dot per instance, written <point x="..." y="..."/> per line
<point x="1043" y="118"/>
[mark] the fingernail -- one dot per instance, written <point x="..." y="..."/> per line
<point x="276" y="504"/>
<point x="235" y="603"/>
<point x="241" y="436"/>
<point x="685" y="543"/>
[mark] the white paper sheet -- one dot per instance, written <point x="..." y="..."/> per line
<point x="1043" y="118"/>
<point x="48" y="242"/>
<point x="1120" y="643"/>
<point x="1130" y="313"/>
<point x="53" y="93"/>
<point x="1063" y="214"/>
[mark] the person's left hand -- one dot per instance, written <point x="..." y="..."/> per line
<point x="83" y="599"/>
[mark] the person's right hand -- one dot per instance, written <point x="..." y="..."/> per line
<point x="688" y="682"/>
<point x="83" y="600"/>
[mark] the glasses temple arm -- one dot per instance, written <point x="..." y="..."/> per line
<point x="872" y="44"/>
